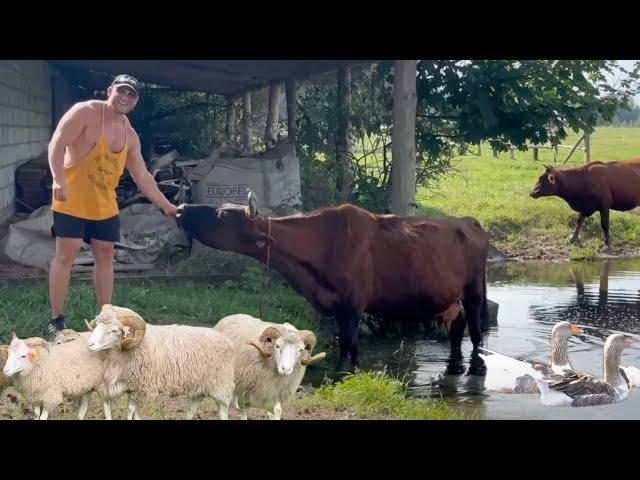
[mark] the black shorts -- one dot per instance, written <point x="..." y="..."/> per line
<point x="68" y="226"/>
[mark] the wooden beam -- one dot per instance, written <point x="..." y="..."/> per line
<point x="343" y="181"/>
<point x="273" y="113"/>
<point x="231" y="122"/>
<point x="587" y="148"/>
<point x="575" y="147"/>
<point x="246" y="122"/>
<point x="292" y="106"/>
<point x="403" y="149"/>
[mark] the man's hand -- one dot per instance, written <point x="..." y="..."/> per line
<point x="60" y="191"/>
<point x="170" y="210"/>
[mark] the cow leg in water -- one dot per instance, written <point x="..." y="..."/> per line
<point x="472" y="301"/>
<point x="348" y="340"/>
<point x="576" y="234"/>
<point x="604" y="222"/>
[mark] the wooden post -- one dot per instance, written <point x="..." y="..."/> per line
<point x="343" y="154"/>
<point x="574" y="148"/>
<point x="292" y="105"/>
<point x="555" y="153"/>
<point x="495" y="152"/>
<point x="535" y="153"/>
<point x="246" y="122"/>
<point x="231" y="122"/>
<point x="273" y="113"/>
<point x="403" y="136"/>
<point x="512" y="152"/>
<point x="480" y="149"/>
<point x="587" y="148"/>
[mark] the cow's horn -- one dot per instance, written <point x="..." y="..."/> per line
<point x="253" y="205"/>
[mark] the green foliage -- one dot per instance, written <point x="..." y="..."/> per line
<point x="377" y="395"/>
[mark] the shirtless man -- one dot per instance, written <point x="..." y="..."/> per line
<point x="88" y="153"/>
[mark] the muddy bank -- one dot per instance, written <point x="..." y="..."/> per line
<point x="550" y="250"/>
<point x="12" y="407"/>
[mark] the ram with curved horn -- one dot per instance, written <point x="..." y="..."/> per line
<point x="146" y="360"/>
<point x="271" y="360"/>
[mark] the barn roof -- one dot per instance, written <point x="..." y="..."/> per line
<point x="223" y="77"/>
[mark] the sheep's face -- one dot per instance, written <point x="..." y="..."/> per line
<point x="23" y="355"/>
<point x="288" y="352"/>
<point x="107" y="334"/>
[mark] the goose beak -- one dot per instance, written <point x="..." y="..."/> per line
<point x="576" y="330"/>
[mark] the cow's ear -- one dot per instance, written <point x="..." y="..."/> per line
<point x="552" y="178"/>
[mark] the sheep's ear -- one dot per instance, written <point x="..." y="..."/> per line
<point x="36" y="353"/>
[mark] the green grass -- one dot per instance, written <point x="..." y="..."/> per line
<point x="26" y="309"/>
<point x="496" y="192"/>
<point x="376" y="395"/>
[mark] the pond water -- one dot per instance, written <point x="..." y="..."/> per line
<point x="602" y="297"/>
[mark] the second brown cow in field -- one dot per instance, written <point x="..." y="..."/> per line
<point x="594" y="187"/>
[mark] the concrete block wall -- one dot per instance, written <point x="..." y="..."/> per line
<point x="25" y="121"/>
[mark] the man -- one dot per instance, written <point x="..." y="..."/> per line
<point x="88" y="153"/>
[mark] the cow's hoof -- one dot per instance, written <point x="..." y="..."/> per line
<point x="343" y="368"/>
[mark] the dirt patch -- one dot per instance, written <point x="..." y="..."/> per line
<point x="13" y="407"/>
<point x="552" y="250"/>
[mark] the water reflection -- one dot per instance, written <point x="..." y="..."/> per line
<point x="602" y="297"/>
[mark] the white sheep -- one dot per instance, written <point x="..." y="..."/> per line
<point x="271" y="361"/>
<point x="146" y="360"/>
<point x="4" y="380"/>
<point x="47" y="374"/>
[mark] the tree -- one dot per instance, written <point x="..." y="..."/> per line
<point x="460" y="103"/>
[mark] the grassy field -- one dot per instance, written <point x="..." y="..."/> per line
<point x="496" y="192"/>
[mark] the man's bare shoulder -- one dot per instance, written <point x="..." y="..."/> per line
<point x="134" y="140"/>
<point x="86" y="107"/>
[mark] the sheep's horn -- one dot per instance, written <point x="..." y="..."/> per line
<point x="265" y="353"/>
<point x="91" y="325"/>
<point x="129" y="318"/>
<point x="315" y="358"/>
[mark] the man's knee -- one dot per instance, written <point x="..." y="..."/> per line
<point x="67" y="251"/>
<point x="102" y="251"/>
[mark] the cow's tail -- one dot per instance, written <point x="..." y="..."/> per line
<point x="484" y="313"/>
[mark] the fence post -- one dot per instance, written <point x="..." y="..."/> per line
<point x="587" y="148"/>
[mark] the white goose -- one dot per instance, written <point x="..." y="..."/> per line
<point x="632" y="376"/>
<point x="581" y="389"/>
<point x="517" y="375"/>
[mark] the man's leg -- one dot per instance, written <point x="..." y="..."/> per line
<point x="104" y="233"/>
<point x="103" y="270"/>
<point x="59" y="274"/>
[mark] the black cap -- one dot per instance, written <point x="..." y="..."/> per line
<point x="128" y="80"/>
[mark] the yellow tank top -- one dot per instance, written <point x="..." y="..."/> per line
<point x="92" y="182"/>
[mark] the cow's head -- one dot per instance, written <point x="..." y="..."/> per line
<point x="547" y="183"/>
<point x="227" y="227"/>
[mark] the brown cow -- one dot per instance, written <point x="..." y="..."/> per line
<point x="596" y="186"/>
<point x="345" y="261"/>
